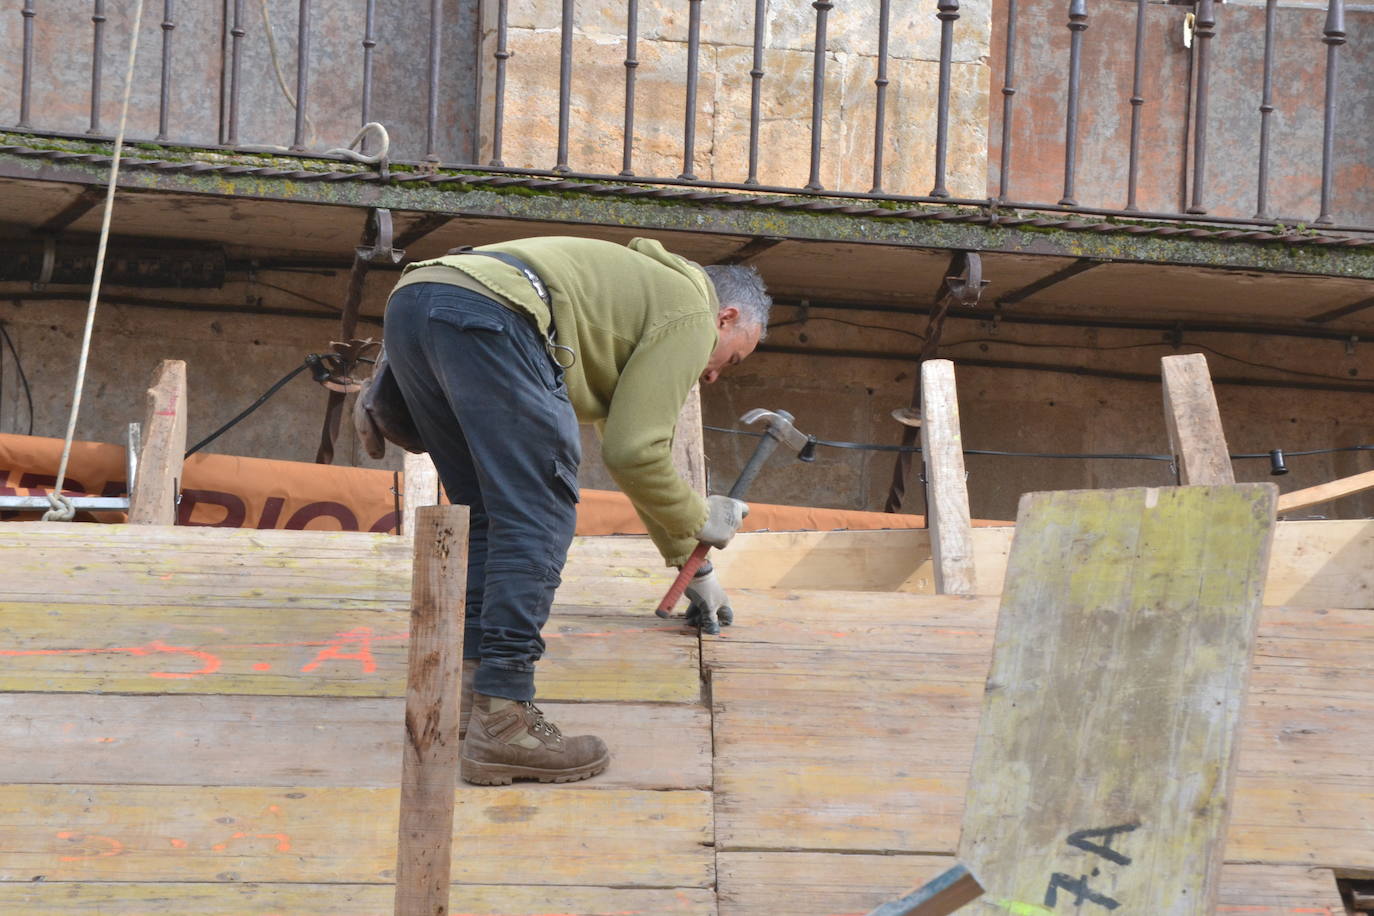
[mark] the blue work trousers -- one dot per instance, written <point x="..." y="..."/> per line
<point x="492" y="409"/>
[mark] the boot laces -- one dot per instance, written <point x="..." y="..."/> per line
<point x="540" y="724"/>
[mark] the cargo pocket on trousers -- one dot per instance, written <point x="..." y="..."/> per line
<point x="567" y="478"/>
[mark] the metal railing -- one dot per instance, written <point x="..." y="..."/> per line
<point x="434" y="65"/>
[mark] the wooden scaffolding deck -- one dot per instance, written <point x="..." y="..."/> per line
<point x="209" y="721"/>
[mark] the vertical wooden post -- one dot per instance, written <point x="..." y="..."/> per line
<point x="688" y="453"/>
<point x="947" y="510"/>
<point x="420" y="487"/>
<point x="433" y="675"/>
<point x="153" y="496"/>
<point x="1195" y="433"/>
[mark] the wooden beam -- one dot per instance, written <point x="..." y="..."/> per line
<point x="420" y="487"/>
<point x="938" y="897"/>
<point x="153" y="496"/>
<point x="1326" y="492"/>
<point x="942" y="447"/>
<point x="1195" y="433"/>
<point x="689" y="456"/>
<point x="434" y="671"/>
<point x="1106" y="755"/>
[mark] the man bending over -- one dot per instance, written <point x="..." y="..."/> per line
<point x="500" y="353"/>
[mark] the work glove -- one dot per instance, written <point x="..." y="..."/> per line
<point x="710" y="606"/>
<point x="723" y="518"/>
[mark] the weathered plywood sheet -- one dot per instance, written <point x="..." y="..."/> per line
<point x="249" y="650"/>
<point x="609" y="837"/>
<point x="1106" y="745"/>
<point x="303" y="741"/>
<point x="87" y="899"/>
<point x="826" y="884"/>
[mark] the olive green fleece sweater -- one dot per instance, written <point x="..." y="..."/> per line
<point x="641" y="323"/>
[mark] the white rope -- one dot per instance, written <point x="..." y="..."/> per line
<point x="62" y="508"/>
<point x="371" y="127"/>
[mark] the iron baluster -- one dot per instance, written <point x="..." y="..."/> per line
<point x="756" y="92"/>
<point x="165" y="90"/>
<point x="302" y="73"/>
<point x="499" y="112"/>
<point x="1008" y="91"/>
<point x="564" y="86"/>
<point x="689" y="126"/>
<point x="631" y="64"/>
<point x="1333" y="36"/>
<point x="236" y="33"/>
<point x="1137" y="100"/>
<point x="369" y="43"/>
<point x="1078" y="24"/>
<point x="1266" y="109"/>
<point x="436" y="24"/>
<point x="822" y="8"/>
<point x="880" y="97"/>
<point x="1203" y="29"/>
<point x="26" y="80"/>
<point x="948" y="13"/>
<point x="98" y="18"/>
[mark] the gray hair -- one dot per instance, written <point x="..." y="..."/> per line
<point x="743" y="288"/>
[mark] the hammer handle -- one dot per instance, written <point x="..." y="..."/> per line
<point x="689" y="569"/>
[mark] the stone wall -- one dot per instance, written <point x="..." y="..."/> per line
<point x="596" y="128"/>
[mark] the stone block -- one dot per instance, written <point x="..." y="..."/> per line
<point x="909" y="134"/>
<point x="596" y="127"/>
<point x="852" y="28"/>
<point x="785" y="117"/>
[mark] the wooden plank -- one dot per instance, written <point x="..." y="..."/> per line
<point x="689" y="456"/>
<point x="942" y="449"/>
<point x="1323" y="564"/>
<point x="434" y="669"/>
<point x="825" y="884"/>
<point x="153" y="500"/>
<point x="226" y="899"/>
<point x="420" y="487"/>
<point x="940" y="896"/>
<point x="817" y="884"/>
<point x="121" y="565"/>
<point x="1326" y="492"/>
<point x="1118" y="677"/>
<point x="1190" y="412"/>
<point x="302" y="741"/>
<point x="314" y="652"/>
<point x="608" y="837"/>
<point x="1278" y="890"/>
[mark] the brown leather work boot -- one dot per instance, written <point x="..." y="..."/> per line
<point x="509" y="740"/>
<point x="465" y="696"/>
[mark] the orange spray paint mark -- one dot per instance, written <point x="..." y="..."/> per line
<point x="283" y="841"/>
<point x="262" y="666"/>
<point x="210" y="663"/>
<point x="112" y="846"/>
<point x="359" y="640"/>
<point x="177" y="844"/>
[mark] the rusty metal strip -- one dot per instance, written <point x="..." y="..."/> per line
<point x="1059" y="276"/>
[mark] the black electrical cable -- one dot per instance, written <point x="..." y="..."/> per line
<point x="1083" y="456"/>
<point x="19" y="369"/>
<point x="252" y="407"/>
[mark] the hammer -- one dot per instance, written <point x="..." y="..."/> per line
<point x="778" y="429"/>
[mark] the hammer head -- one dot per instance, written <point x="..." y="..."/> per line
<point x="779" y="426"/>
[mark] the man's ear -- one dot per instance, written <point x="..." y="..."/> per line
<point x="727" y="316"/>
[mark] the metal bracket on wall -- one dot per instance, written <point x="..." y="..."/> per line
<point x="375" y="248"/>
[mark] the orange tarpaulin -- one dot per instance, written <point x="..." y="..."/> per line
<point x="230" y="492"/>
